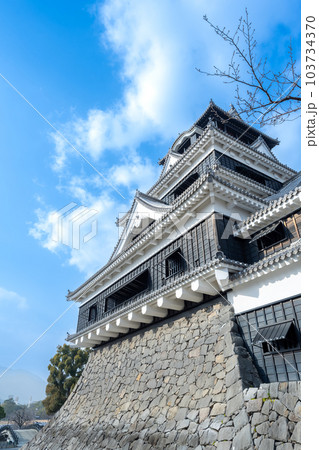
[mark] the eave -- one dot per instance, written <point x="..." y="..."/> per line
<point x="275" y="210"/>
<point x="214" y="109"/>
<point x="275" y="261"/>
<point x="209" y="279"/>
<point x="208" y="186"/>
<point x="200" y="147"/>
<point x="244" y="182"/>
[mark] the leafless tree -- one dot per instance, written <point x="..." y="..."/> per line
<point x="20" y="416"/>
<point x="262" y="95"/>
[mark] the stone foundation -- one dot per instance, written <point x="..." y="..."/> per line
<point x="184" y="383"/>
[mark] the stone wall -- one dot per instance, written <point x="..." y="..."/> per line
<point x="183" y="383"/>
<point x="274" y="412"/>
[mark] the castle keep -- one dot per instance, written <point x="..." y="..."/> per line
<point x="194" y="321"/>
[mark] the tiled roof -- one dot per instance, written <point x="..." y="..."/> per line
<point x="288" y="187"/>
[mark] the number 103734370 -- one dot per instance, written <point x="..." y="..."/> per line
<point x="310" y="50"/>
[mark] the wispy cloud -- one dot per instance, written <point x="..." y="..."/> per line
<point x="12" y="299"/>
<point x="56" y="233"/>
<point x="157" y="71"/>
<point x="156" y="46"/>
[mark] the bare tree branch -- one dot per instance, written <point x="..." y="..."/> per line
<point x="262" y="96"/>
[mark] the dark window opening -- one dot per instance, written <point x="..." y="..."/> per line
<point x="185" y="185"/>
<point x="279" y="337"/>
<point x="131" y="289"/>
<point x="249" y="173"/>
<point x="187" y="143"/>
<point x="92" y="313"/>
<point x="174" y="264"/>
<point x="275" y="235"/>
<point x="109" y="304"/>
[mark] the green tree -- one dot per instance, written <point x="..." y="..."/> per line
<point x="65" y="369"/>
<point x="10" y="406"/>
<point x="2" y="413"/>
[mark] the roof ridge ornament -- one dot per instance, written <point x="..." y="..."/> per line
<point x="233" y="112"/>
<point x="211" y="123"/>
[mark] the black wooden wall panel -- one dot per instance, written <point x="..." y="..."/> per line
<point x="282" y="366"/>
<point x="197" y="247"/>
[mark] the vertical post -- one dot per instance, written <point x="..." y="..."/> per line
<point x="215" y="233"/>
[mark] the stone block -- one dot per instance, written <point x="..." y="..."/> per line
<point x="250" y="393"/>
<point x="220" y="359"/>
<point x="181" y="424"/>
<point x="204" y="425"/>
<point x="240" y="420"/>
<point x="232" y="377"/>
<point x="217" y="422"/>
<point x="267" y="444"/>
<point x="194" y="353"/>
<point x="224" y="446"/>
<point x="258" y="418"/>
<point x="279" y="430"/>
<point x="296" y="435"/>
<point x="181" y="414"/>
<point x="263" y="428"/>
<point x="289" y="401"/>
<point x="243" y="439"/>
<point x="234" y="405"/>
<point x="203" y="414"/>
<point x="231" y="363"/>
<point x="208" y="437"/>
<point x="192" y="440"/>
<point x="218" y="386"/>
<point x="286" y="446"/>
<point x="283" y="386"/>
<point x="234" y="389"/>
<point x="297" y="410"/>
<point x="192" y="414"/>
<point x="273" y="390"/>
<point x="226" y="434"/>
<point x="217" y="409"/>
<point x="280" y="408"/>
<point x="254" y="405"/>
<point x="267" y="407"/>
<point x="273" y="416"/>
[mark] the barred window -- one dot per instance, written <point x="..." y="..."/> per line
<point x="92" y="313"/>
<point x="174" y="264"/>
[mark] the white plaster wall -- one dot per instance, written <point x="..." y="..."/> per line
<point x="274" y="286"/>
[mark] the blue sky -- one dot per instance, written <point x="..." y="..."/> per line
<point x="118" y="80"/>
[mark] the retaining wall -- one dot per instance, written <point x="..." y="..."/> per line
<point x="185" y="383"/>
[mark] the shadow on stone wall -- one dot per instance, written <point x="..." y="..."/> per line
<point x="179" y="384"/>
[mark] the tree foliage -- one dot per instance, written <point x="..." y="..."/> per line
<point x="262" y="95"/>
<point x="10" y="406"/>
<point x="65" y="369"/>
<point x="2" y="413"/>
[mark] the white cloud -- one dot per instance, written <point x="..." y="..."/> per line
<point x="137" y="172"/>
<point x="86" y="240"/>
<point x="54" y="228"/>
<point x="12" y="299"/>
<point x="156" y="46"/>
<point x="157" y="73"/>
